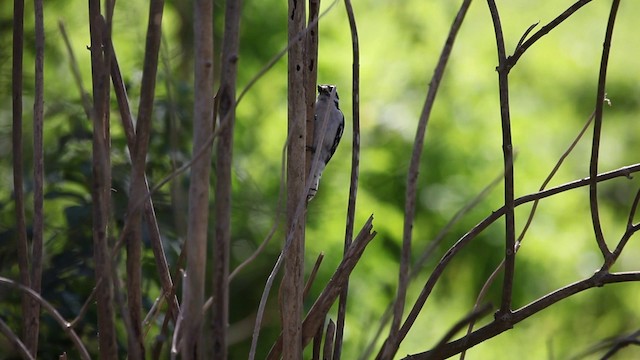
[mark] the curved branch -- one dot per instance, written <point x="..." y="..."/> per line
<point x="521" y="48"/>
<point x="64" y="324"/>
<point x="462" y="242"/>
<point x="498" y="326"/>
<point x="392" y="342"/>
<point x="507" y="150"/>
<point x="355" y="169"/>
<point x="597" y="130"/>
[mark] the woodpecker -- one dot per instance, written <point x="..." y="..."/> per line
<point x="328" y="125"/>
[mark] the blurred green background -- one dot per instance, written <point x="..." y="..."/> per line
<point x="552" y="89"/>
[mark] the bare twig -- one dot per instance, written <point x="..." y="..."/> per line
<point x="317" y="344"/>
<point x="101" y="190"/>
<point x="634" y="208"/>
<point x="15" y="341"/>
<point x="316" y="314"/>
<point x="428" y="252"/>
<point x="524" y="36"/>
<point x="497" y="327"/>
<point x="53" y="312"/>
<point x="133" y="230"/>
<point x="612" y="345"/>
<point x="32" y="318"/>
<point x="312" y="275"/>
<point x="17" y="157"/>
<point x="597" y="130"/>
<point x="507" y="150"/>
<point x="196" y="242"/>
<point x="475" y="314"/>
<point x="355" y="169"/>
<point x="149" y="212"/>
<point x="328" y="341"/>
<point x="75" y="70"/>
<point x="471" y="234"/>
<point x="226" y="101"/>
<point x="630" y="230"/>
<point x="534" y="207"/>
<point x="521" y="48"/>
<point x="391" y="344"/>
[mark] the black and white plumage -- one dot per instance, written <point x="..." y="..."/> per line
<point x="327" y="131"/>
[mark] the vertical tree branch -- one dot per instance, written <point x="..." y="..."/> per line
<point x="196" y="242"/>
<point x="149" y="212"/>
<point x="138" y="193"/>
<point x="101" y="187"/>
<point x="507" y="151"/>
<point x="18" y="170"/>
<point x="328" y="341"/>
<point x="355" y="167"/>
<point x="597" y="130"/>
<point x="32" y="320"/>
<point x="393" y="340"/>
<point x="226" y="104"/>
<point x="293" y="280"/>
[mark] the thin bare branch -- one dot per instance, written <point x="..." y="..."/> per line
<point x="355" y="170"/>
<point x="546" y="181"/>
<point x="17" y="157"/>
<point x="15" y="341"/>
<point x="312" y="275"/>
<point x="522" y="48"/>
<point x="133" y="230"/>
<point x="597" y="130"/>
<point x="391" y="344"/>
<point x="101" y="186"/>
<point x="497" y="327"/>
<point x="507" y="150"/>
<point x="524" y="36"/>
<point x="318" y="311"/>
<point x="474" y="315"/>
<point x="471" y="234"/>
<point x="328" y="341"/>
<point x="32" y="318"/>
<point x="634" y="208"/>
<point x="612" y="345"/>
<point x="226" y="103"/>
<point x="317" y="344"/>
<point x="84" y="354"/>
<point x="149" y="213"/>
<point x="75" y="70"/>
<point x="428" y="252"/>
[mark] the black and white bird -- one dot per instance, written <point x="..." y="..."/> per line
<point x="328" y="125"/>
